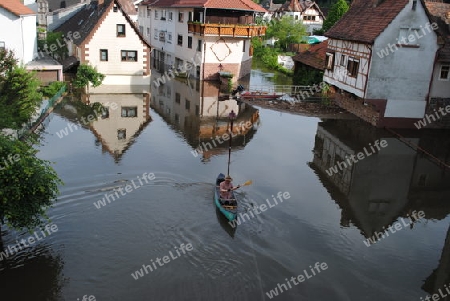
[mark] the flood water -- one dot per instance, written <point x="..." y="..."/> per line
<point x="327" y="218"/>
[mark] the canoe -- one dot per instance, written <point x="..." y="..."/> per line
<point x="227" y="208"/>
<point x="260" y="95"/>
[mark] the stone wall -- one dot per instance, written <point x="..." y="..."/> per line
<point x="356" y="105"/>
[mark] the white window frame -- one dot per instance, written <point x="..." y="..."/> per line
<point x="2" y="45"/>
<point x="329" y="61"/>
<point x="406" y="32"/>
<point x="448" y="72"/>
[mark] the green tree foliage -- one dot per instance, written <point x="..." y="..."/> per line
<point x="336" y="12"/>
<point x="87" y="74"/>
<point x="52" y="89"/>
<point x="19" y="92"/>
<point x="54" y="45"/>
<point x="287" y="30"/>
<point x="307" y="76"/>
<point x="28" y="185"/>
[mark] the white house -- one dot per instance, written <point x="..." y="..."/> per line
<point x="18" y="33"/>
<point x="209" y="34"/>
<point x="104" y="36"/>
<point x="380" y="59"/>
<point x="306" y="11"/>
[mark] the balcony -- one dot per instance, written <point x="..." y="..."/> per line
<point x="227" y="30"/>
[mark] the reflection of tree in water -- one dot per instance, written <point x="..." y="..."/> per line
<point x="32" y="275"/>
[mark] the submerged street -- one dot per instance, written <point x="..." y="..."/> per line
<point x="373" y="230"/>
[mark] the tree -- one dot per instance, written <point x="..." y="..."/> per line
<point x="19" y="92"/>
<point x="87" y="74"/>
<point x="287" y="31"/>
<point x="54" y="45"/>
<point x="28" y="185"/>
<point x="336" y="12"/>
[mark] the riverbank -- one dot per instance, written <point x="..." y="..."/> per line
<point x="310" y="109"/>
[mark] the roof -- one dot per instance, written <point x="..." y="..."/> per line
<point x="270" y="6"/>
<point x="314" y="56"/>
<point x="16" y="8"/>
<point x="247" y="5"/>
<point x="296" y="6"/>
<point x="86" y="20"/>
<point x="440" y="13"/>
<point x="364" y="21"/>
<point x="58" y="4"/>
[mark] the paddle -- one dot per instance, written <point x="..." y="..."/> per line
<point x="249" y="182"/>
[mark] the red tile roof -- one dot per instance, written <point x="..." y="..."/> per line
<point x="15" y="7"/>
<point x="440" y="13"/>
<point x="248" y="5"/>
<point x="364" y="22"/>
<point x="314" y="56"/>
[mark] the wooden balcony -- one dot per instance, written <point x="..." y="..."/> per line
<point x="227" y="30"/>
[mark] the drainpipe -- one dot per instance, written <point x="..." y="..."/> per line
<point x="23" y="41"/>
<point x="428" y="98"/>
<point x="368" y="72"/>
<point x="204" y="16"/>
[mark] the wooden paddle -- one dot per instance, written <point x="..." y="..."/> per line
<point x="249" y="182"/>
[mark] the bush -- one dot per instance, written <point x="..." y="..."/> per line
<point x="52" y="89"/>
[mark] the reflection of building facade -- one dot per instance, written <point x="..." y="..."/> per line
<point x="380" y="188"/>
<point x="122" y="120"/>
<point x="193" y="107"/>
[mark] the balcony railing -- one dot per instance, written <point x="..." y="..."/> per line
<point x="229" y="30"/>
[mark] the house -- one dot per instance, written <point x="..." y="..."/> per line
<point x="380" y="59"/>
<point x="439" y="97"/>
<point x="211" y="36"/>
<point x="104" y="36"/>
<point x="306" y="11"/>
<point x="18" y="33"/>
<point x="53" y="13"/>
<point x="310" y="64"/>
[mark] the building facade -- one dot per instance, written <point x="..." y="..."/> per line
<point x="382" y="66"/>
<point x="207" y="35"/>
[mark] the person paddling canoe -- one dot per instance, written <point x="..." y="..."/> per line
<point x="226" y="188"/>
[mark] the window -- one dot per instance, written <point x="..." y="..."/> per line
<point x="129" y="56"/>
<point x="148" y="31"/>
<point x="177" y="98"/>
<point x="329" y="61"/>
<point x="199" y="45"/>
<point x="104" y="55"/>
<point x="115" y="8"/>
<point x="409" y="36"/>
<point x="445" y="72"/>
<point x="352" y="67"/>
<point x="180" y="40"/>
<point x="156" y="15"/>
<point x="105" y="112"/>
<point x="155" y="33"/>
<point x="141" y="29"/>
<point x="309" y="18"/>
<point x="190" y="15"/>
<point x="187" y="104"/>
<point x="170" y="16"/>
<point x="121" y="134"/>
<point x="414" y="5"/>
<point x="190" y="42"/>
<point x="169" y="37"/>
<point x="120" y="30"/>
<point x="180" y="17"/>
<point x="243" y="47"/>
<point x="162" y="36"/>
<point x="343" y="60"/>
<point x="163" y="17"/>
<point x="2" y="45"/>
<point x="129" y="112"/>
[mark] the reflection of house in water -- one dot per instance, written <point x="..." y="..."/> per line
<point x="380" y="188"/>
<point x="440" y="277"/>
<point x="123" y="119"/>
<point x="192" y="107"/>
